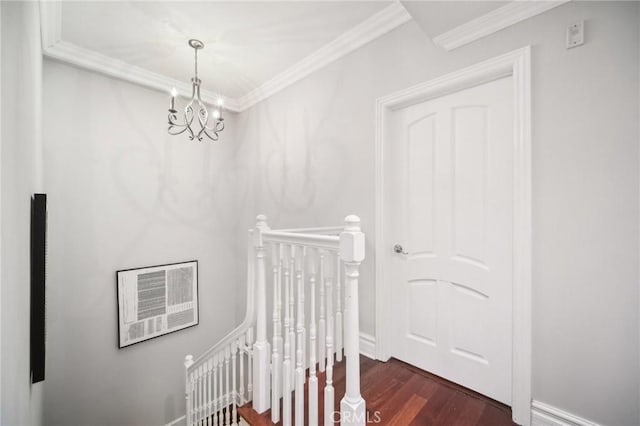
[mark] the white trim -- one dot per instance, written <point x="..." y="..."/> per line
<point x="367" y="345"/>
<point x="177" y="421"/>
<point x="50" y="22"/>
<point x="54" y="47"/>
<point x="97" y="62"/>
<point x="1" y="234"/>
<point x="377" y="25"/>
<point x="518" y="65"/>
<point x="494" y="21"/>
<point x="546" y="415"/>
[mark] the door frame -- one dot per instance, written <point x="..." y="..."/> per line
<point x="516" y="64"/>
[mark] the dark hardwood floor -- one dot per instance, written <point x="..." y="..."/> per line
<point x="400" y="394"/>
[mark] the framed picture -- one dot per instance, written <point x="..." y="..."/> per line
<point x="156" y="300"/>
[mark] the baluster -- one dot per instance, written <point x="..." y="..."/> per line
<point x="209" y="394"/>
<point x="352" y="406"/>
<point x="299" y="374"/>
<point x="328" y="389"/>
<point x="205" y="394"/>
<point x="194" y="392"/>
<point x="313" y="380"/>
<point x="241" y="343"/>
<point x="202" y="387"/>
<point x="234" y="393"/>
<point x="261" y="368"/>
<point x="220" y="388"/>
<point x="292" y="334"/>
<point x="322" y="331"/>
<point x="199" y="394"/>
<point x="192" y="395"/>
<point x="286" y="362"/>
<point x="276" y="361"/>
<point x="203" y="384"/>
<point x="250" y="363"/>
<point x="280" y="282"/>
<point x="303" y="266"/>
<point x="214" y="362"/>
<point x="227" y="399"/>
<point x="338" y="333"/>
<point x="286" y="384"/>
<point x="188" y="362"/>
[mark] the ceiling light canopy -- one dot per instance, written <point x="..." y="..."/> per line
<point x="190" y="113"/>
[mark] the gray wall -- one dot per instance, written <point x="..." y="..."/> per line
<point x="123" y="194"/>
<point x="21" y="176"/>
<point x="308" y="153"/>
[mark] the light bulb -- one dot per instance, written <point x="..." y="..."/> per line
<point x="216" y="113"/>
<point x="172" y="104"/>
<point x="220" y="102"/>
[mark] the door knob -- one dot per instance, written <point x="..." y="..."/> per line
<point x="398" y="249"/>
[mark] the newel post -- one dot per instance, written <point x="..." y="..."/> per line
<point x="261" y="347"/>
<point x="352" y="406"/>
<point x="188" y="362"/>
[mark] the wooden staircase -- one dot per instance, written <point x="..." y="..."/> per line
<point x="339" y="375"/>
<point x="310" y="276"/>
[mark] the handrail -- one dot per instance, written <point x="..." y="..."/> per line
<point x="322" y="230"/>
<point x="279" y="366"/>
<point x="331" y="242"/>
<point x="249" y="316"/>
<point x="315" y="237"/>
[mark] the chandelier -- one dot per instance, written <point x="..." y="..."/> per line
<point x="190" y="115"/>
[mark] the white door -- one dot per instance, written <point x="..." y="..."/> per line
<point x="452" y="212"/>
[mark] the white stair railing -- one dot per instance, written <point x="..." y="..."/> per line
<point x="215" y="382"/>
<point x="322" y="263"/>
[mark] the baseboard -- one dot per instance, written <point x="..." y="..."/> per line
<point x="546" y="415"/>
<point x="367" y="345"/>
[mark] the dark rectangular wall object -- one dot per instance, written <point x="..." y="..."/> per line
<point x="38" y="278"/>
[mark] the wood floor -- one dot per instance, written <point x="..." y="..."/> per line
<point x="399" y="394"/>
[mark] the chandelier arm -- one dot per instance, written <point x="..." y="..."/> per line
<point x="176" y="128"/>
<point x="188" y="119"/>
<point x="213" y="136"/>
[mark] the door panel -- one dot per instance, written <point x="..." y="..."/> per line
<point x="452" y="202"/>
<point x="468" y="143"/>
<point x="422" y="318"/>
<point x="421" y="180"/>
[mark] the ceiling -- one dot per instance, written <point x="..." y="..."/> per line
<point x="246" y="44"/>
<point x="253" y="49"/>
<point x="438" y="17"/>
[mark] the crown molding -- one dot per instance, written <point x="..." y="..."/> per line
<point x="93" y="61"/>
<point x="494" y="21"/>
<point x="377" y="25"/>
<point x="51" y="22"/>
<point x="54" y="47"/>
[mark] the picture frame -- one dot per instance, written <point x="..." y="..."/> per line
<point x="156" y="300"/>
<point x="38" y="265"/>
